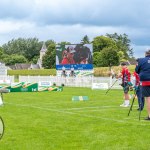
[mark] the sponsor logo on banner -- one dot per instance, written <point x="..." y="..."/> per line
<point x="45" y="83"/>
<point x="99" y="86"/>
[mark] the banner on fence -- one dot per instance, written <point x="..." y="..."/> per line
<point x="45" y="83"/>
<point x="99" y="86"/>
<point x="30" y="87"/>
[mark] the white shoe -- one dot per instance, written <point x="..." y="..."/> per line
<point x="127" y="105"/>
<point x="122" y="105"/>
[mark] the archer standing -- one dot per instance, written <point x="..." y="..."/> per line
<point x="143" y="69"/>
<point x="126" y="83"/>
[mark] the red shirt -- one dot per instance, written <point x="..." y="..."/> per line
<point x="126" y="75"/>
<point x="137" y="78"/>
<point x="67" y="61"/>
<point x="144" y="83"/>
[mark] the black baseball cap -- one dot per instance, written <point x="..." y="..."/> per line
<point x="123" y="64"/>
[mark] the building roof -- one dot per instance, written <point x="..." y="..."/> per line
<point x="44" y="48"/>
<point x="13" y="67"/>
<point x="35" y="66"/>
<point x="20" y="66"/>
<point x="24" y="66"/>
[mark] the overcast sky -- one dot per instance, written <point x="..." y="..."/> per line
<point x="71" y="20"/>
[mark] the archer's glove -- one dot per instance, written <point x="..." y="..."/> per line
<point x="131" y="88"/>
<point x="136" y="88"/>
<point x="130" y="84"/>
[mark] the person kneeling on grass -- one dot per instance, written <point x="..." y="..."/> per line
<point x="126" y="84"/>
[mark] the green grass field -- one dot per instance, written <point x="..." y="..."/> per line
<point x="52" y="121"/>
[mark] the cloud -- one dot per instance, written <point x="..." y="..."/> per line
<point x="70" y="20"/>
<point x="139" y="51"/>
<point x="11" y="26"/>
<point x="87" y="12"/>
<point x="92" y="12"/>
<point x="15" y="9"/>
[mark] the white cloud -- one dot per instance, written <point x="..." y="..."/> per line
<point x="70" y="20"/>
<point x="7" y="27"/>
<point x="140" y="50"/>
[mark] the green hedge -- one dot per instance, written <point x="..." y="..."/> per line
<point x="101" y="71"/>
<point x="41" y="72"/>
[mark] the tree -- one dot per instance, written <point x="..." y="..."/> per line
<point x="1" y="53"/>
<point x="109" y="57"/>
<point x="122" y="43"/>
<point x="101" y="42"/>
<point x="121" y="56"/>
<point x="85" y="40"/>
<point x="63" y="43"/>
<point x="32" y="48"/>
<point x="29" y="48"/>
<point x="35" y="59"/>
<point x="49" y="42"/>
<point x="97" y="60"/>
<point x="13" y="59"/>
<point x="48" y="60"/>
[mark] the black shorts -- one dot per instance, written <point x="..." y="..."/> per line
<point x="145" y="91"/>
<point x="125" y="88"/>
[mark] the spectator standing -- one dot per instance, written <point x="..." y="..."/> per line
<point x="143" y="69"/>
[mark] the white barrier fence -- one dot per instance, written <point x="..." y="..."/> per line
<point x="6" y="79"/>
<point x="71" y="81"/>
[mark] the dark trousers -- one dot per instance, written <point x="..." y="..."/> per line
<point x="140" y="98"/>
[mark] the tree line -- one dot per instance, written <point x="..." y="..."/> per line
<point x="109" y="49"/>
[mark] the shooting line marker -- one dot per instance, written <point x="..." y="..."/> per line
<point x="80" y="98"/>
